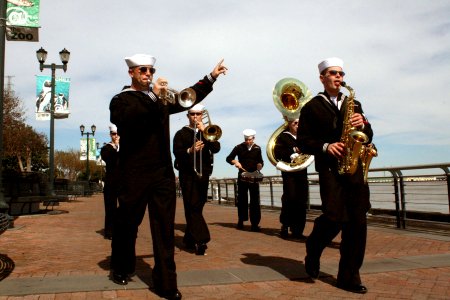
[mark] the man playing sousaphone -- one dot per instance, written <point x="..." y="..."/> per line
<point x="295" y="184"/>
<point x="249" y="159"/>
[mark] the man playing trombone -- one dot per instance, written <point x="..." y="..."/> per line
<point x="147" y="178"/>
<point x="194" y="161"/>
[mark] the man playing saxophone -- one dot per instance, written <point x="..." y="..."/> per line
<point x="345" y="198"/>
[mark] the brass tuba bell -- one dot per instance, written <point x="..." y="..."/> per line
<point x="289" y="96"/>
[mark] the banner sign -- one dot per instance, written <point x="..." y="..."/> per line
<point x="22" y="13"/>
<point x="22" y="34"/>
<point x="92" y="149"/>
<point x="44" y="93"/>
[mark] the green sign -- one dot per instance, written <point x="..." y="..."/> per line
<point x="22" y="13"/>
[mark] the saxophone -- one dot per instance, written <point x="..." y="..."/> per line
<point x="352" y="139"/>
<point x="367" y="153"/>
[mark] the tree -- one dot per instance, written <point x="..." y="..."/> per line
<point x="68" y="164"/>
<point x="21" y="141"/>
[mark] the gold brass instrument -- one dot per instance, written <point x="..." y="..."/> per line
<point x="289" y="96"/>
<point x="367" y="153"/>
<point x="352" y="139"/>
<point x="185" y="98"/>
<point x="211" y="133"/>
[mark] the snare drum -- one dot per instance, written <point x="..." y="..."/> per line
<point x="252" y="177"/>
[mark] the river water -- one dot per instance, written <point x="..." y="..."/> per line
<point x="426" y="196"/>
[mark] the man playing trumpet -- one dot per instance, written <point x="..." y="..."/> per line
<point x="146" y="172"/>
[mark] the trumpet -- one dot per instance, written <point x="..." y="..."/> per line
<point x="186" y="98"/>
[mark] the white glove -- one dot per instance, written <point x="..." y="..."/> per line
<point x="294" y="156"/>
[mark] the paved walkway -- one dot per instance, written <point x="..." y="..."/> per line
<point x="62" y="255"/>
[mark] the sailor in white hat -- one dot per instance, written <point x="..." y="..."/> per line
<point x="194" y="158"/>
<point x="345" y="198"/>
<point x="110" y="155"/>
<point x="249" y="159"/>
<point x="147" y="176"/>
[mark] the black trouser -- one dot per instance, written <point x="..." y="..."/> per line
<point x="243" y="207"/>
<point x="352" y="248"/>
<point x="345" y="202"/>
<point x="294" y="200"/>
<point x="156" y="191"/>
<point x="110" y="195"/>
<point x="195" y="193"/>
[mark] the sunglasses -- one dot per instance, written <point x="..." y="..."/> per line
<point x="195" y="113"/>
<point x="334" y="72"/>
<point x="113" y="133"/>
<point x="147" y="69"/>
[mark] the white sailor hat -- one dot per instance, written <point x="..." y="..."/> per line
<point x="330" y="62"/>
<point x="197" y="108"/>
<point x="248" y="133"/>
<point x="140" y="60"/>
<point x="291" y="119"/>
<point x="112" y="128"/>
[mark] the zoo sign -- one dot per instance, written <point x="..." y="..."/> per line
<point x="22" y="20"/>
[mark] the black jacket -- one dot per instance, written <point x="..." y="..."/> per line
<point x="248" y="159"/>
<point x="184" y="162"/>
<point x="321" y="122"/>
<point x="143" y="126"/>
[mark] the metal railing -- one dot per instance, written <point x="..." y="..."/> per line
<point x="403" y="191"/>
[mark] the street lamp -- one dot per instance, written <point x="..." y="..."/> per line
<point x="93" y="128"/>
<point x="41" y="55"/>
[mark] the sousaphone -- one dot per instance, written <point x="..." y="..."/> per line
<point x="289" y="96"/>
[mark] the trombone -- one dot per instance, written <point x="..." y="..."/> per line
<point x="211" y="133"/>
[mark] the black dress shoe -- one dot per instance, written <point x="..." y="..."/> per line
<point x="298" y="236"/>
<point x="255" y="228"/>
<point x="284" y="232"/>
<point x="189" y="245"/>
<point x="355" y="288"/>
<point x="200" y="249"/>
<point x="172" y="295"/>
<point x="312" y="267"/>
<point x="121" y="279"/>
<point x="240" y="225"/>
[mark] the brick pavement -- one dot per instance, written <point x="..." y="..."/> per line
<point x="63" y="255"/>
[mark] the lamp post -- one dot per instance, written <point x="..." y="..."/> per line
<point x="101" y="161"/>
<point x="3" y="205"/>
<point x="41" y="55"/>
<point x="93" y="128"/>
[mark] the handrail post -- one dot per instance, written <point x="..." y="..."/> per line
<point x="448" y="190"/>
<point x="447" y="176"/>
<point x="219" y="192"/>
<point x="397" y="199"/>
<point x="402" y="199"/>
<point x="235" y="192"/>
<point x="271" y="192"/>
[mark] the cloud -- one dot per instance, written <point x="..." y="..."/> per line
<point x="396" y="54"/>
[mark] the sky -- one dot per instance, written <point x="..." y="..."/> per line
<point x="396" y="57"/>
